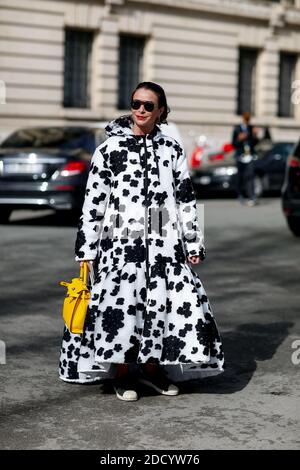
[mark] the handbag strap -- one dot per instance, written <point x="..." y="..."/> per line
<point x="84" y="272"/>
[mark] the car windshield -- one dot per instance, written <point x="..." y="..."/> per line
<point x="64" y="137"/>
<point x="283" y="149"/>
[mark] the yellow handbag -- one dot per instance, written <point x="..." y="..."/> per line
<point x="76" y="301"/>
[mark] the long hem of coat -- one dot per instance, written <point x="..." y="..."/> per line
<point x="84" y="363"/>
<point x="178" y="372"/>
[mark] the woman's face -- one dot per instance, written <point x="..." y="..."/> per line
<point x="145" y="120"/>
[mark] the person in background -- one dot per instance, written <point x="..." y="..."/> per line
<point x="244" y="139"/>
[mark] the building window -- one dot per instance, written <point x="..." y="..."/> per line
<point x="77" y="68"/>
<point x="286" y="78"/>
<point x="247" y="80"/>
<point x="131" y="52"/>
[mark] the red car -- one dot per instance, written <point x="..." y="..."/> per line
<point x="206" y="153"/>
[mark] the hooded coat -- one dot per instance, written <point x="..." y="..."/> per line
<point x="138" y="225"/>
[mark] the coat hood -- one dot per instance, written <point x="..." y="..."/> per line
<point x="123" y="125"/>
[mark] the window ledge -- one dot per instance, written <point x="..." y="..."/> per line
<point x="80" y="113"/>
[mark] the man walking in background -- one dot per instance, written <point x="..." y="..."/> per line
<point x="244" y="139"/>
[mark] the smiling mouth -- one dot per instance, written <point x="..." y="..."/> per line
<point x="141" y="117"/>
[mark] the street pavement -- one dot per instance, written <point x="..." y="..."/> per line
<point x="251" y="276"/>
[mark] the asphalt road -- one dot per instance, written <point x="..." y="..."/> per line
<point x="251" y="276"/>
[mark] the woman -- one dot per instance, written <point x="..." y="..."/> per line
<point x="149" y="319"/>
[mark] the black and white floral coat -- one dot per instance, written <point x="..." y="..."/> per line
<point x="139" y="185"/>
<point x="138" y="225"/>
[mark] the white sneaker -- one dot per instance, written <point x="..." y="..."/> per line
<point x="125" y="388"/>
<point x="251" y="203"/>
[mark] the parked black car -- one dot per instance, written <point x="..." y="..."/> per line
<point x="218" y="174"/>
<point x="270" y="166"/>
<point x="46" y="167"/>
<point x="218" y="177"/>
<point x="291" y="191"/>
<point x="215" y="176"/>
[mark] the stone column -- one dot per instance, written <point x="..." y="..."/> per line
<point x="267" y="80"/>
<point x="107" y="66"/>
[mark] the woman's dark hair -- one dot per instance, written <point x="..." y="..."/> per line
<point x="162" y="100"/>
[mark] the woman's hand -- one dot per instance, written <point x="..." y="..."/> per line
<point x="194" y="259"/>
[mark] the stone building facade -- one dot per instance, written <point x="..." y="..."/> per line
<point x="193" y="48"/>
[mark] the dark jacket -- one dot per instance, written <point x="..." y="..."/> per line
<point x="239" y="146"/>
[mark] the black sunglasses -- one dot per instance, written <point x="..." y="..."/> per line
<point x="148" y="105"/>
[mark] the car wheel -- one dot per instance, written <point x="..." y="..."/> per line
<point x="5" y="215"/>
<point x="294" y="225"/>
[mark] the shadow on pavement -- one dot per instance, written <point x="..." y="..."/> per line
<point x="249" y="343"/>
